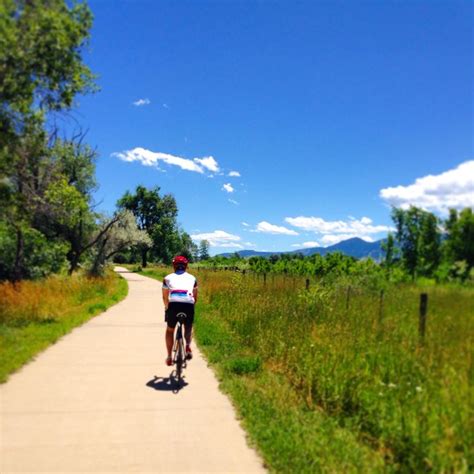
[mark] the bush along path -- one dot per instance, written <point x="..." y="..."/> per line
<point x="102" y="400"/>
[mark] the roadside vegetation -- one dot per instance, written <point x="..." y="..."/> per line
<point x="327" y="383"/>
<point x="35" y="314"/>
<point x="423" y="247"/>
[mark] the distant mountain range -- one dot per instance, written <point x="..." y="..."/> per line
<point x="354" y="247"/>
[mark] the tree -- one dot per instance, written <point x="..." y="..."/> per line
<point x="419" y="237"/>
<point x="203" y="250"/>
<point x="430" y="244"/>
<point x="187" y="247"/>
<point x="41" y="65"/>
<point x="41" y="68"/>
<point x="389" y="250"/>
<point x="460" y="237"/>
<point x="72" y="219"/>
<point x="41" y="71"/>
<point x="157" y="216"/>
<point x="116" y="235"/>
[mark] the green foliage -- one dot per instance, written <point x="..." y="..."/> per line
<point x="157" y="215"/>
<point x="460" y="242"/>
<point x="116" y="235"/>
<point x="44" y="188"/>
<point x="65" y="203"/>
<point x="390" y="251"/>
<point x="416" y="251"/>
<point x="42" y="257"/>
<point x="203" y="250"/>
<point x="40" y="51"/>
<point x="243" y="365"/>
<point x="419" y="238"/>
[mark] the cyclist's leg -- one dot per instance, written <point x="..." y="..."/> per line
<point x="169" y="335"/>
<point x="188" y="323"/>
<point x="169" y="340"/>
<point x="188" y="336"/>
<point x="188" y="332"/>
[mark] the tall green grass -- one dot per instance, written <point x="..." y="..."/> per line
<point x="35" y="314"/>
<point x="318" y="375"/>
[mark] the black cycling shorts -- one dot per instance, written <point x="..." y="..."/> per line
<point x="179" y="311"/>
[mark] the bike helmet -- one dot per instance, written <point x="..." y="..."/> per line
<point x="180" y="262"/>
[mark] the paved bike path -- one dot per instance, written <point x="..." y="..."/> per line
<point x="100" y="401"/>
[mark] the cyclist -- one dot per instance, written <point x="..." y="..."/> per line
<point x="180" y="293"/>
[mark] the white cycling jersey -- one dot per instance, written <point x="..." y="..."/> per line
<point x="181" y="286"/>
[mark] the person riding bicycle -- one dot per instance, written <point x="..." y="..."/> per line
<point x="180" y="293"/>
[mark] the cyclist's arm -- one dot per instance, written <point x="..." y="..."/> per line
<point x="166" y="297"/>
<point x="166" y="294"/>
<point x="195" y="292"/>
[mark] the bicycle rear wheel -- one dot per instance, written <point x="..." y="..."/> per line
<point x="180" y="359"/>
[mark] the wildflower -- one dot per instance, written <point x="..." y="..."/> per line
<point x="418" y="389"/>
<point x="391" y="385"/>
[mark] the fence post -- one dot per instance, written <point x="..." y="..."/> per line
<point x="307" y="283"/>
<point x="423" y="311"/>
<point x="264" y="278"/>
<point x="348" y="296"/>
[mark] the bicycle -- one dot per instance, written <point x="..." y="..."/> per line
<point x="179" y="358"/>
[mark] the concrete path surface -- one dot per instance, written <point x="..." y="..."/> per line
<point x="100" y="400"/>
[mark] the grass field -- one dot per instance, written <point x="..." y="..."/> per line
<point x="327" y="382"/>
<point x="35" y="314"/>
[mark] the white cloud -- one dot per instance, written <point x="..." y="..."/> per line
<point x="141" y="102"/>
<point x="208" y="162"/>
<point x="228" y="187"/>
<point x="233" y="201"/>
<point x="307" y="245"/>
<point x="331" y="239"/>
<point x="267" y="228"/>
<point x="360" y="228"/>
<point x="451" y="189"/>
<point x="150" y="158"/>
<point x="245" y="224"/>
<point x="234" y="174"/>
<point x="219" y="238"/>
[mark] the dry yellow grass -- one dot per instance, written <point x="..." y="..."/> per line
<point x="51" y="298"/>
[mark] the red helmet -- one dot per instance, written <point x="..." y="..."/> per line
<point x="180" y="261"/>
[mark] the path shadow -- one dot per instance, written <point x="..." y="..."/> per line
<point x="167" y="384"/>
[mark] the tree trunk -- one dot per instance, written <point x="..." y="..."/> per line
<point x="144" y="251"/>
<point x="73" y="262"/>
<point x="74" y="256"/>
<point x="18" y="269"/>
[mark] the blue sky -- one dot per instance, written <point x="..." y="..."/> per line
<point x="329" y="111"/>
